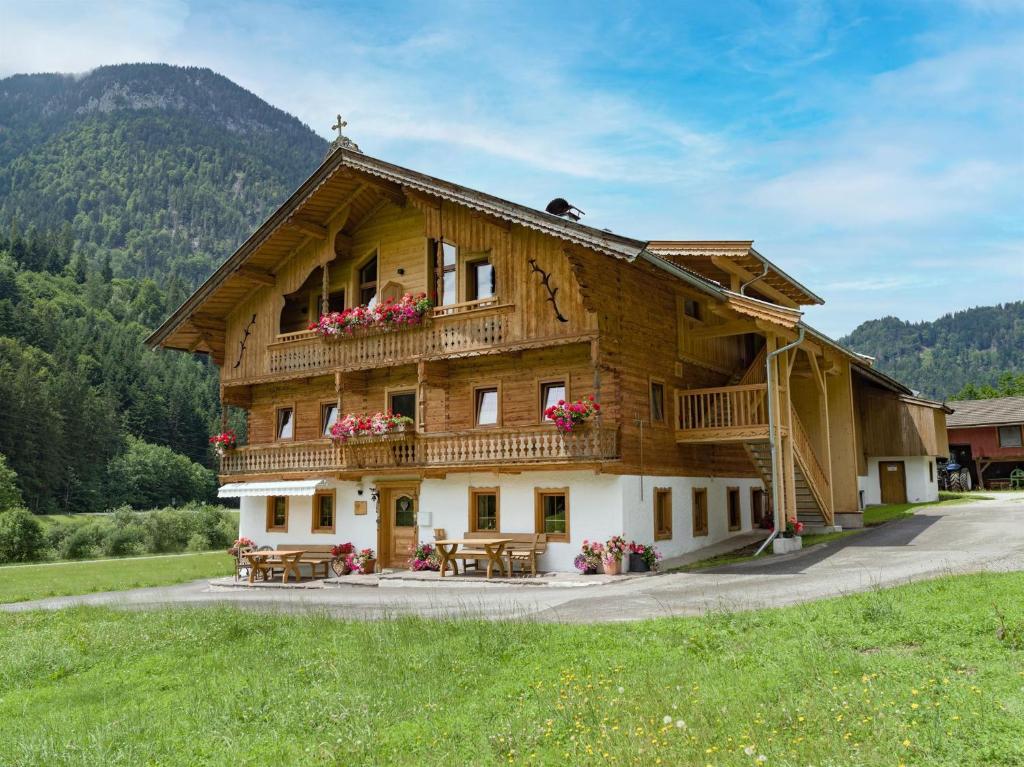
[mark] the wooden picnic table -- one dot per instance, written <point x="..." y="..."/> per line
<point x="493" y="550"/>
<point x="260" y="561"/>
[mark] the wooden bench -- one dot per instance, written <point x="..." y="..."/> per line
<point x="317" y="557"/>
<point x="524" y="548"/>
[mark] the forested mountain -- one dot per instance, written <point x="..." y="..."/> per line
<point x="119" y="191"/>
<point x="971" y="347"/>
<point x="166" y="169"/>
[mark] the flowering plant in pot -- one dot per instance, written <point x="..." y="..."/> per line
<point x="643" y="557"/>
<point x="793" y="529"/>
<point x="342" y="555"/>
<point x="387" y="315"/>
<point x="364" y="561"/>
<point x="569" y="415"/>
<point x="424" y="557"/>
<point x="614" y="550"/>
<point x="377" y="425"/>
<point x="589" y="558"/>
<point x="241" y="545"/>
<point x="226" y="440"/>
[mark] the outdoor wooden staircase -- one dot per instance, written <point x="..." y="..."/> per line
<point x="813" y="491"/>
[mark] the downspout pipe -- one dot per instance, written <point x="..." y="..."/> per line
<point x="758" y="278"/>
<point x="773" y="437"/>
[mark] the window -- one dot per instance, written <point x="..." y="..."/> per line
<point x="693" y="309"/>
<point x="733" y="497"/>
<point x="931" y="472"/>
<point x="552" y="513"/>
<point x="336" y="301"/>
<point x="323" y="512"/>
<point x="483" y="509"/>
<point x="757" y="507"/>
<point x="285" y="423"/>
<point x="551" y="392"/>
<point x="328" y="417"/>
<point x="295" y="314"/>
<point x="368" y="282"/>
<point x="479" y="279"/>
<point x="700" y="511"/>
<point x="657" y="402"/>
<point x="403" y="403"/>
<point x="486" y="406"/>
<point x="662" y="513"/>
<point x="277" y="514"/>
<point x="1009" y="436"/>
<point x="447" y="289"/>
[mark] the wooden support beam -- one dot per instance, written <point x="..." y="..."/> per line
<point x="729" y="266"/>
<point x="314" y="230"/>
<point x="253" y="274"/>
<point x="818" y="376"/>
<point x="369" y="214"/>
<point x="739" y="327"/>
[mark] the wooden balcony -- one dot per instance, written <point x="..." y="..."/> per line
<point x="723" y="414"/>
<point x="444" y="450"/>
<point x="449" y="331"/>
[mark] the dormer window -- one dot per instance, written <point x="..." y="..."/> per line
<point x="368" y="282"/>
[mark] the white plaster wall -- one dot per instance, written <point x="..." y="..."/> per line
<point x="599" y="506"/>
<point x="920" y="489"/>
<point x="639" y="511"/>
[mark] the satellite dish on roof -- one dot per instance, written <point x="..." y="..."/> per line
<point x="561" y="207"/>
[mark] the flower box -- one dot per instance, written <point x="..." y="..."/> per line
<point x="637" y="563"/>
<point x="787" y="545"/>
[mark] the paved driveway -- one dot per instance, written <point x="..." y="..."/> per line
<point x="986" y="535"/>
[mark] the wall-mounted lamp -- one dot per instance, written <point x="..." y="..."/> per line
<point x="401" y="270"/>
<point x="359" y="488"/>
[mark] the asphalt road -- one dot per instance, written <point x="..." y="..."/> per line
<point x="985" y="535"/>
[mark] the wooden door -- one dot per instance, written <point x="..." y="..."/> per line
<point x="398" y="530"/>
<point x="892" y="476"/>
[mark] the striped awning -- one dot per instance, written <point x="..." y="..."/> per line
<point x="246" y="489"/>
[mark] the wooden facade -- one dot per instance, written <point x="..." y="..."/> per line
<point x="666" y="336"/>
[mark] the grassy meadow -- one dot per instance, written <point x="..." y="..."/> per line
<point x="927" y="674"/>
<point x="19" y="583"/>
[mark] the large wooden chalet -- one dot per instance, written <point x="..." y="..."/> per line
<point x="674" y="340"/>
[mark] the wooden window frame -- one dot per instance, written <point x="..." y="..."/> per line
<point x="697" y="531"/>
<point x="662" y="533"/>
<point x="391" y="391"/>
<point x="999" y="436"/>
<point x="541" y="383"/>
<point x="477" y="388"/>
<point x="754" y="524"/>
<point x="277" y="422"/>
<point x="324" y="404"/>
<point x="270" y="526"/>
<point x="651" y="383"/>
<point x="474" y="492"/>
<point x="355" y="296"/>
<point x="464" y="264"/>
<point x="539" y="493"/>
<point x="733" y="492"/>
<point x="440" y="270"/>
<point x="315" y="526"/>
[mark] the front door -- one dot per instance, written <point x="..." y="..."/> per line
<point x="892" y="476"/>
<point x="398" y="530"/>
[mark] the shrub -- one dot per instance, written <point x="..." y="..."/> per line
<point x="198" y="542"/>
<point x="21" y="536"/>
<point x="167" y="530"/>
<point x="83" y="542"/>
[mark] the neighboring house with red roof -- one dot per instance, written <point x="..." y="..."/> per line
<point x="987" y="435"/>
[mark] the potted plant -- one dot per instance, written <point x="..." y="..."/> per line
<point x="569" y="415"/>
<point x="387" y="315"/>
<point x="614" y="550"/>
<point x="377" y="425"/>
<point x="226" y="440"/>
<point x="790" y="538"/>
<point x="424" y="557"/>
<point x="364" y="561"/>
<point x="341" y="562"/>
<point x="643" y="558"/>
<point x="589" y="558"/>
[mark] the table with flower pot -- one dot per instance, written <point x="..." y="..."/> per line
<point x="265" y="561"/>
<point x="491" y="549"/>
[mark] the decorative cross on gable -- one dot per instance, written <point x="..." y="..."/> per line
<point x="339" y="126"/>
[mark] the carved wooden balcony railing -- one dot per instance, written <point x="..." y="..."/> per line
<point x="468" y="330"/>
<point x="723" y="414"/>
<point x="505" y="447"/>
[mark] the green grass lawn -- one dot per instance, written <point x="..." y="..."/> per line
<point x="916" y="675"/>
<point x="21" y="582"/>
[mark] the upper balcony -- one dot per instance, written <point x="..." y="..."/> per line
<point x="448" y="331"/>
<point x="723" y="414"/>
<point x="443" y="450"/>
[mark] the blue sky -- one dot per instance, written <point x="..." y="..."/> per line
<point x="874" y="150"/>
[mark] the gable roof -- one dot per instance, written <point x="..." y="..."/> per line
<point x="1001" y="411"/>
